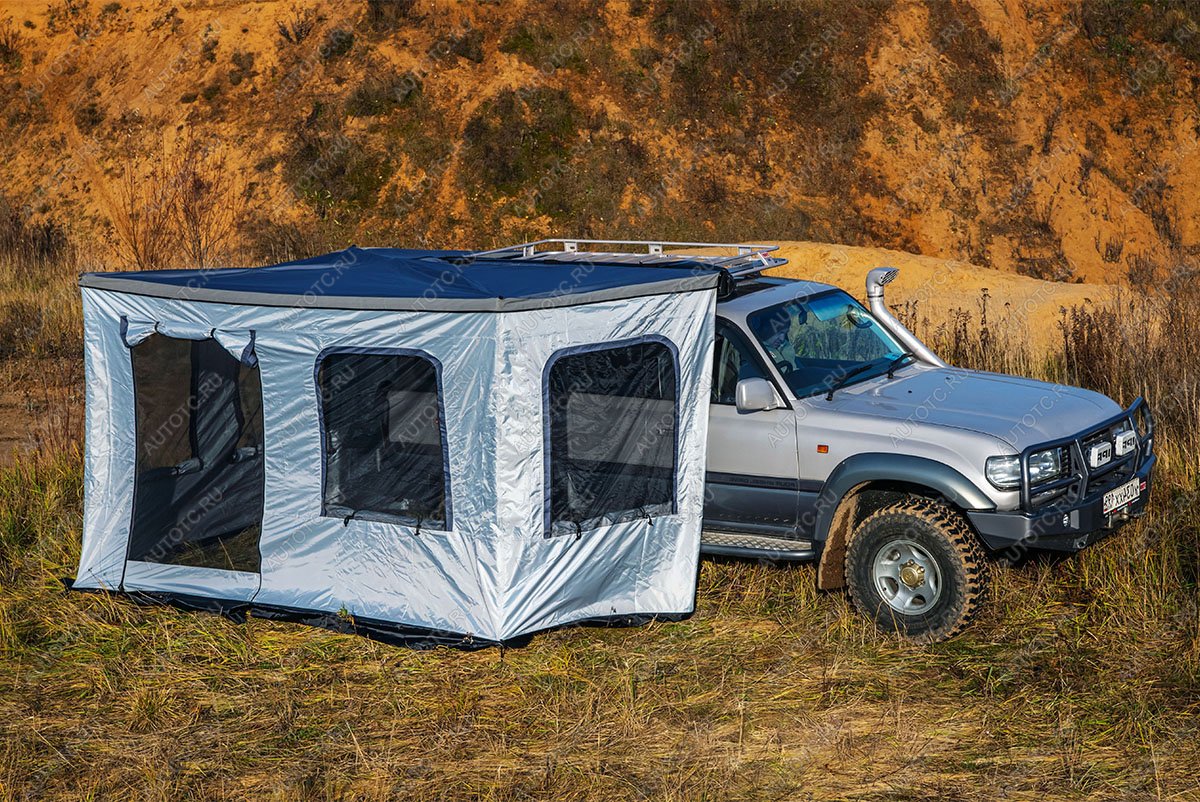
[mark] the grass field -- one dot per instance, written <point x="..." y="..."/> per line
<point x="1081" y="681"/>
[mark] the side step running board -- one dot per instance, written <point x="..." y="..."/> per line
<point x="734" y="544"/>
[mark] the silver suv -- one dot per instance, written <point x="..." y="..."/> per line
<point x="835" y="435"/>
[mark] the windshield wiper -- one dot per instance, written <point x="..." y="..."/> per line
<point x="847" y="376"/>
<point x="850" y="374"/>
<point x="897" y="362"/>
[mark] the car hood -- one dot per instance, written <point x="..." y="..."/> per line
<point x="1021" y="412"/>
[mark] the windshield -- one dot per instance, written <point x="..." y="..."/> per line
<point x="818" y="342"/>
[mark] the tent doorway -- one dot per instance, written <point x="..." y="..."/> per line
<point x="198" y="490"/>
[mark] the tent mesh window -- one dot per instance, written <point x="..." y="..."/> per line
<point x="198" y="493"/>
<point x="385" y="457"/>
<point x="612" y="417"/>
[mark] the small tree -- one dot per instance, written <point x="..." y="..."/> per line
<point x="183" y="201"/>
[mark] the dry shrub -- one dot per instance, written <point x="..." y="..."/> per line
<point x="1144" y="344"/>
<point x="27" y="243"/>
<point x="297" y="26"/>
<point x="144" y="209"/>
<point x="386" y="16"/>
<point x="10" y="45"/>
<point x="981" y="338"/>
<point x="207" y="204"/>
<point x="184" y="201"/>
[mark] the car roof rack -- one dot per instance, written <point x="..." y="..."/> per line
<point x="749" y="259"/>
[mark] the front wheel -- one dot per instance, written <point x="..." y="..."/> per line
<point x="916" y="569"/>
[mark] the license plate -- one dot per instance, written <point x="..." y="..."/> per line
<point x="1120" y="496"/>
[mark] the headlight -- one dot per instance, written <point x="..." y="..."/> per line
<point x="1004" y="472"/>
<point x="1045" y="465"/>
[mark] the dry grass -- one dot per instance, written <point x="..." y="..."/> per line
<point x="1080" y="682"/>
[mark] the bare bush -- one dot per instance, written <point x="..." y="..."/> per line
<point x="297" y="26"/>
<point x="10" y="44"/>
<point x="1142" y="344"/>
<point x="206" y="204"/>
<point x="27" y="243"/>
<point x="1141" y="270"/>
<point x="1112" y="249"/>
<point x="385" y="16"/>
<point x="145" y="206"/>
<point x="183" y="201"/>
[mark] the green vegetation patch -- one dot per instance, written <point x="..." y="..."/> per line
<point x="809" y="57"/>
<point x="334" y="173"/>
<point x="973" y="77"/>
<point x="543" y="48"/>
<point x="88" y="116"/>
<point x="337" y="44"/>
<point x="375" y="96"/>
<point x="517" y="136"/>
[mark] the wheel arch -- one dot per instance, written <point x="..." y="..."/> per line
<point x="864" y="483"/>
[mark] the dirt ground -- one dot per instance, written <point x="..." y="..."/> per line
<point x="15" y="421"/>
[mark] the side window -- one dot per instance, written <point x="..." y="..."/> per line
<point x="384" y="449"/>
<point x="198" y="488"/>
<point x="732" y="362"/>
<point x="611" y="418"/>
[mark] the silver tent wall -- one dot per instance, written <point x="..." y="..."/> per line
<point x="499" y="560"/>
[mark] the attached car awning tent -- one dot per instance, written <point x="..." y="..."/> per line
<point x="417" y="445"/>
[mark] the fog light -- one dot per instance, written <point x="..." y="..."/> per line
<point x="1099" y="454"/>
<point x="1126" y="443"/>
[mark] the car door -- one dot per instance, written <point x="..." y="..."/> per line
<point x="752" y="467"/>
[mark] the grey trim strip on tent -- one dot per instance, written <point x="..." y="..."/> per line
<point x="699" y="281"/>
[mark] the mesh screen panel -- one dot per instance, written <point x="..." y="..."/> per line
<point x="612" y="416"/>
<point x="383" y="439"/>
<point x="198" y="493"/>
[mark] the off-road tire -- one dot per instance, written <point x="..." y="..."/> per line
<point x="943" y="535"/>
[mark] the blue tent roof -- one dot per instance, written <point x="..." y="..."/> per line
<point x="403" y="279"/>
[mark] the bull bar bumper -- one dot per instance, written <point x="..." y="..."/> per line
<point x="1076" y="519"/>
<point x="1062" y="529"/>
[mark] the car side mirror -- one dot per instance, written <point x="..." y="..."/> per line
<point x="756" y="395"/>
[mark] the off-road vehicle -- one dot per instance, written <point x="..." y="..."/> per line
<point x="836" y="436"/>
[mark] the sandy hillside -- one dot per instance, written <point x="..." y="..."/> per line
<point x="930" y="291"/>
<point x="1027" y="308"/>
<point x="1055" y="139"/>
